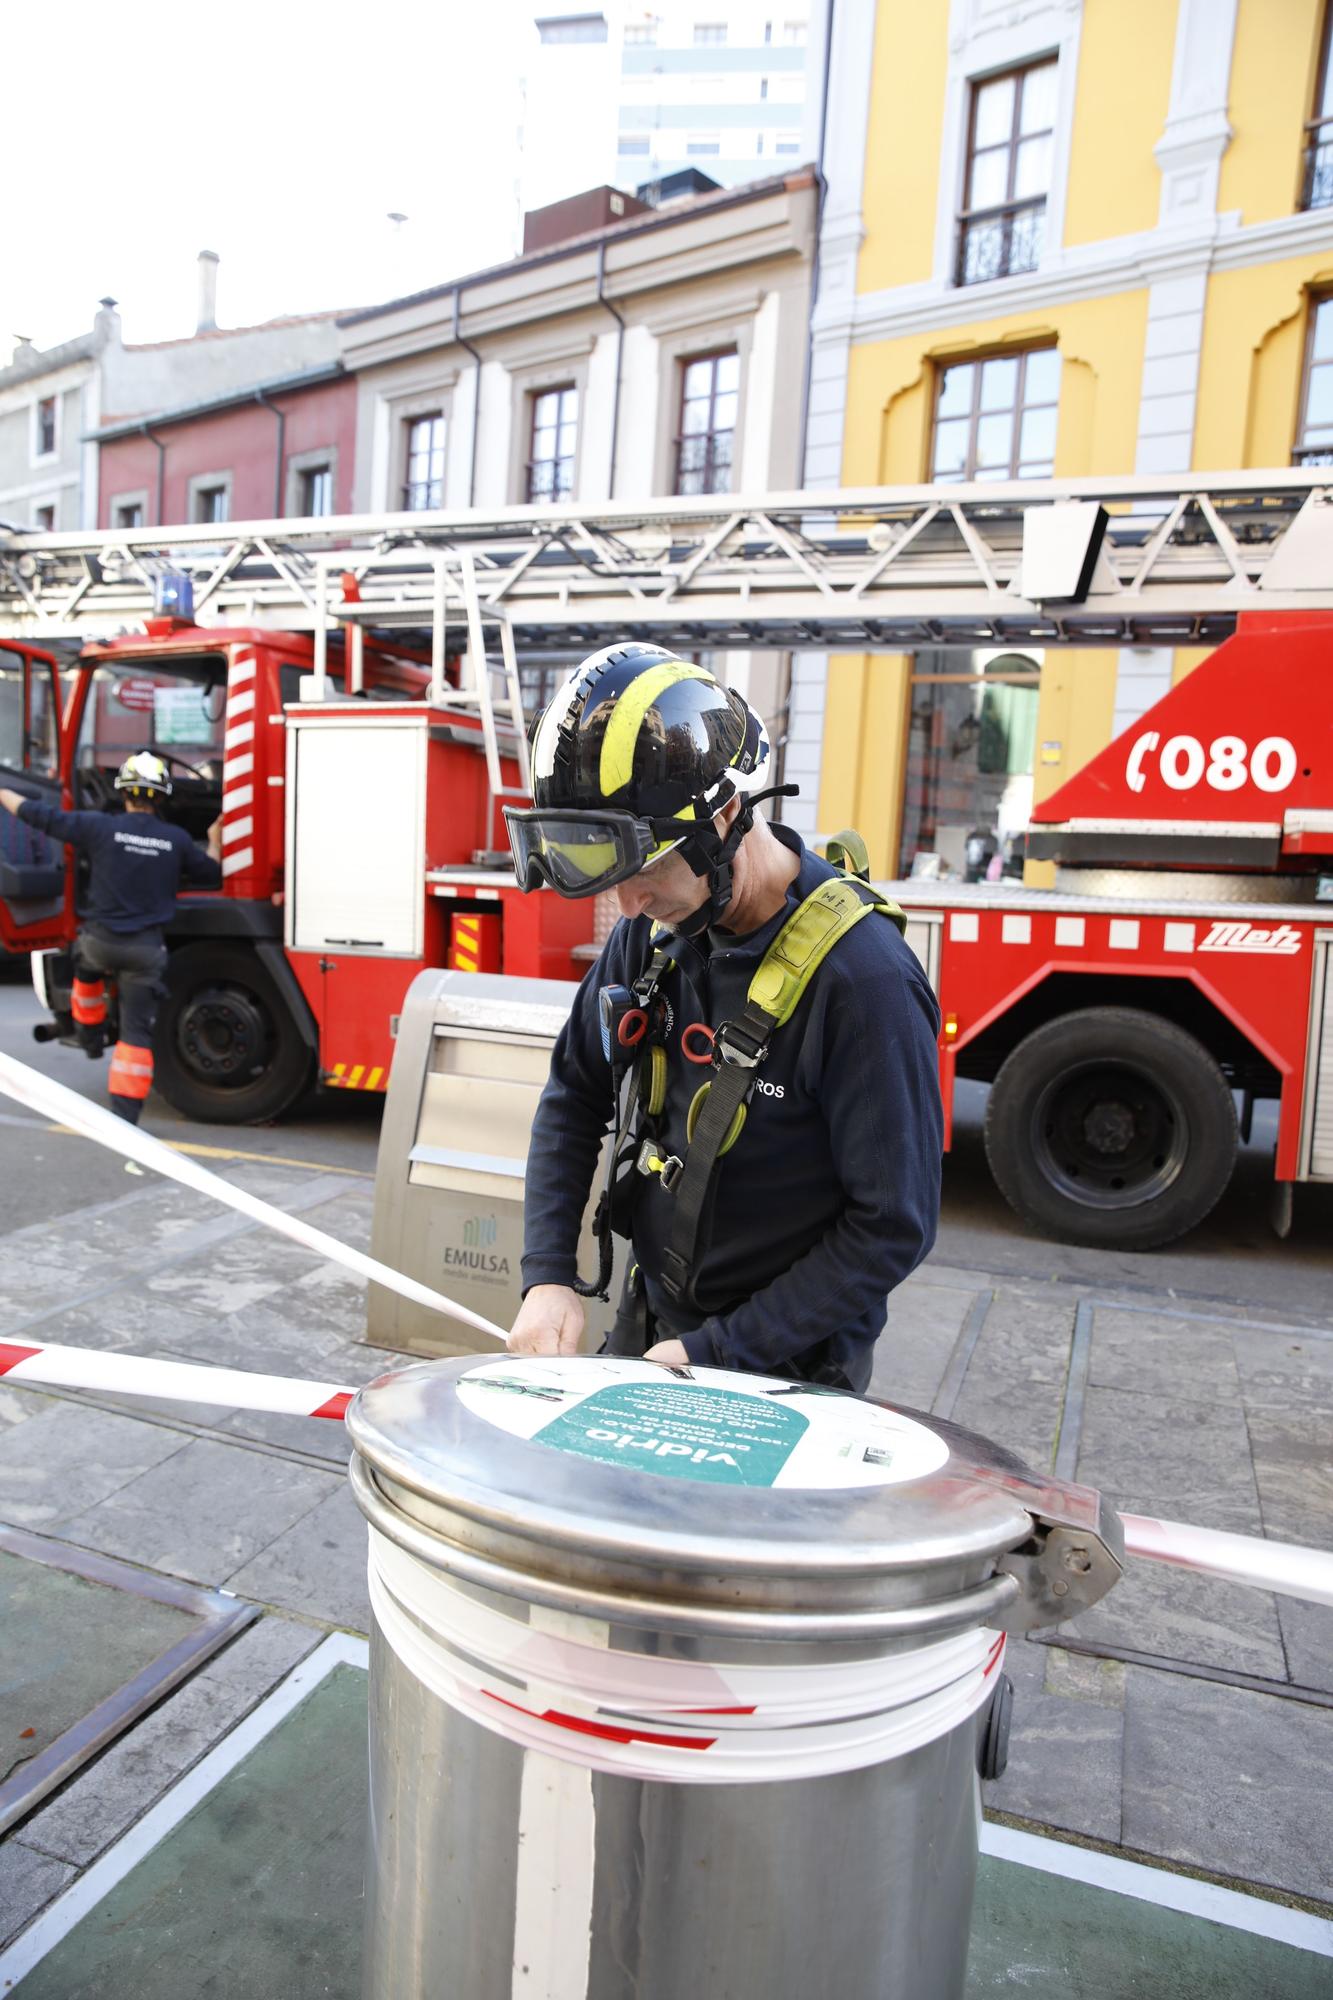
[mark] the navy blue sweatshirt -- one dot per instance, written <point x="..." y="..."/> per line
<point x="829" y="1197"/>
<point x="138" y="863"/>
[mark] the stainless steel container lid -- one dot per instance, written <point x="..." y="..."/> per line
<point x="590" y="1460"/>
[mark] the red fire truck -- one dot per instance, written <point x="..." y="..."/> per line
<point x="1127" y="1020"/>
<point x="1184" y="957"/>
<point x="360" y="842"/>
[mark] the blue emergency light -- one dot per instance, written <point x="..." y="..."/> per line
<point x="173" y="595"/>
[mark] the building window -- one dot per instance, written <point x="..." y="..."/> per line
<point x="210" y="503"/>
<point x="317" y="489"/>
<point x="709" y="388"/>
<point x="793" y="32"/>
<point x="640" y="34"/>
<point x="424" y="486"/>
<point x="555" y="424"/>
<point x="1317" y="190"/>
<point x="1314" y="445"/>
<point x="709" y="32"/>
<point x="995" y="419"/>
<point x="632" y="143"/>
<point x="46" y="427"/>
<point x="1009" y="143"/>
<point x="44" y="519"/>
<point x="787" y="146"/>
<point x="127" y="514"/>
<point x="700" y="143"/>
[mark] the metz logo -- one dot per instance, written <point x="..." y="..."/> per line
<point x="1249" y="937"/>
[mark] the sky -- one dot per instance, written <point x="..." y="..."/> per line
<point x="282" y="136"/>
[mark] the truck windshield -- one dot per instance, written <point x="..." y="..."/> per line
<point x="175" y="707"/>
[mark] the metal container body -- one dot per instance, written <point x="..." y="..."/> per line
<point x="497" y="1871"/>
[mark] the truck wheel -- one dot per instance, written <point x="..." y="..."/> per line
<point x="1112" y="1128"/>
<point x="228" y="1051"/>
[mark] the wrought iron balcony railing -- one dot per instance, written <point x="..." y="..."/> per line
<point x="1000" y="242"/>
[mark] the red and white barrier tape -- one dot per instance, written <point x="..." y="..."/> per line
<point x="1282" y="1567"/>
<point x="551" y="1681"/>
<point x="170" y="1381"/>
<point x="53" y="1100"/>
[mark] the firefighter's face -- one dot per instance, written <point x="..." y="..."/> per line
<point x="669" y="891"/>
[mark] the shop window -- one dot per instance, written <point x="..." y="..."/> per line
<point x="424" y="485"/>
<point x="1317" y="181"/>
<point x="709" y="393"/>
<point x="971" y="743"/>
<point x="996" y="418"/>
<point x="555" y="428"/>
<point x="1010" y="138"/>
<point x="1314" y="445"/>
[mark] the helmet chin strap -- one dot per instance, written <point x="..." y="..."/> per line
<point x="711" y="853"/>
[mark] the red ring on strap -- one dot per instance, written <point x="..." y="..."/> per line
<point x="632" y="1028"/>
<point x="696" y="1028"/>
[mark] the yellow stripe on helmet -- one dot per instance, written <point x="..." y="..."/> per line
<point x="622" y="731"/>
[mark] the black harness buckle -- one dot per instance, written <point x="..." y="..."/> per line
<point x="738" y="1047"/>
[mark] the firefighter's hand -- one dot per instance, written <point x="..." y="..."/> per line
<point x="550" y="1321"/>
<point x="11" y="801"/>
<point x="215" y="839"/>
<point x="671" y="1353"/>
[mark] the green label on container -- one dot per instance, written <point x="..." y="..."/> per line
<point x="675" y="1427"/>
<point x="700" y="1423"/>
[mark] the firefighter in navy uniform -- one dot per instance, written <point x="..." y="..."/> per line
<point x="138" y="863"/>
<point x="756" y="1034"/>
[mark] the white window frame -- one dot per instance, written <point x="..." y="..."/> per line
<point x="982" y="45"/>
<point x="116" y="501"/>
<point x="207" y="482"/>
<point x="301" y="462"/>
<point x="35" y="456"/>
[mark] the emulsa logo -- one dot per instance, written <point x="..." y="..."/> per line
<point x="477" y="1252"/>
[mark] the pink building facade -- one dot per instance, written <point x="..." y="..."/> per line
<point x="282" y="450"/>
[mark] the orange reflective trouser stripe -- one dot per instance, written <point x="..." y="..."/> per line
<point x="131" y="1071"/>
<point x="88" y="1002"/>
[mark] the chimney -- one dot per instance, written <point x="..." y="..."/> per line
<point x="208" y="291"/>
<point x="23" y="349"/>
<point x="106" y="324"/>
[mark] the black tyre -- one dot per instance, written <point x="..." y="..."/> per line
<point x="228" y="1051"/>
<point x="1111" y="1128"/>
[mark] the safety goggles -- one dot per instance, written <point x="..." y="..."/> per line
<point x="582" y="853"/>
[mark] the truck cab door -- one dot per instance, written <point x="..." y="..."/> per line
<point x="32" y="868"/>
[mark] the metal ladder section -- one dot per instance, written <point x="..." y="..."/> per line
<point x="453" y="575"/>
<point x="873" y="569"/>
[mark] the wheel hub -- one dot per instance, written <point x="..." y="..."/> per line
<point x="224" y="1035"/>
<point x="1110" y="1135"/>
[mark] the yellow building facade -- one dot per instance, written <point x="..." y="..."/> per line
<point x="1061" y="238"/>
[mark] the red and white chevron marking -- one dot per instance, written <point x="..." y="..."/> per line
<point x="170" y="1381"/>
<point x="238" y="767"/>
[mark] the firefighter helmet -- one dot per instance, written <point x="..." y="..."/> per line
<point x="144" y="776"/>
<point x="633" y="758"/>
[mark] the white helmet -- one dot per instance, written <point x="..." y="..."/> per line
<point x="144" y="776"/>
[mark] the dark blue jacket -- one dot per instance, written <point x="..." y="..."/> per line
<point x="138" y="863"/>
<point x="831" y="1194"/>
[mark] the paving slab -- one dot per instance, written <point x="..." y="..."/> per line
<point x="28" y="1882"/>
<point x="70" y="1458"/>
<point x="920" y="1333"/>
<point x="1307" y="1634"/>
<point x="1228" y="1780"/>
<point x="104" y="1801"/>
<point x="1013" y="1391"/>
<point x="1171" y="1358"/>
<point x="317" y="1569"/>
<point x="203" y="1513"/>
<point x="1154" y="1609"/>
<point x="1183" y="1460"/>
<point x="1293" y="1469"/>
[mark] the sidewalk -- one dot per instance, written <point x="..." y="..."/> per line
<point x="1179" y="1722"/>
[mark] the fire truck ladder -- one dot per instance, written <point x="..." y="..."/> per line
<point x="1164" y="561"/>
